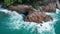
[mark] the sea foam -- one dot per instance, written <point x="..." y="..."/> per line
<point x="16" y="22"/>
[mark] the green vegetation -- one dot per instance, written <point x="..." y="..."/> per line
<point x="36" y="7"/>
<point x="8" y="2"/>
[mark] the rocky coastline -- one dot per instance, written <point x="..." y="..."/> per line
<point x="32" y="14"/>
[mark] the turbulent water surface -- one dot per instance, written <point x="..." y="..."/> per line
<point x="12" y="23"/>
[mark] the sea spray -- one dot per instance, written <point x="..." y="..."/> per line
<point x="16" y="23"/>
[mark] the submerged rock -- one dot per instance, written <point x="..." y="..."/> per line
<point x="20" y="8"/>
<point x="37" y="17"/>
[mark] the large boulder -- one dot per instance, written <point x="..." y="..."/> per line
<point x="20" y="8"/>
<point x="37" y="17"/>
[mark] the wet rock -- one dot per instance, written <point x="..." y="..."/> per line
<point x="20" y="8"/>
<point x="38" y="17"/>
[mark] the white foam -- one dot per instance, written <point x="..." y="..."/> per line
<point x="17" y="23"/>
<point x="57" y="11"/>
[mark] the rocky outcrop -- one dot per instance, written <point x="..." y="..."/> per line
<point x="51" y="7"/>
<point x="20" y="8"/>
<point x="37" y="17"/>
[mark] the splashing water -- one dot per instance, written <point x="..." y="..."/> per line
<point x="12" y="23"/>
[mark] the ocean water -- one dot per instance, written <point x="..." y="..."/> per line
<point x="12" y="23"/>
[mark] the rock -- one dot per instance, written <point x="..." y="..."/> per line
<point x="37" y="17"/>
<point x="58" y="4"/>
<point x="47" y="18"/>
<point x="51" y="7"/>
<point x="20" y="8"/>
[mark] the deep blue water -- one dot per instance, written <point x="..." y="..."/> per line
<point x="12" y="23"/>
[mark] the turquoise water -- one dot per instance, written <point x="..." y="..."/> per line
<point x="57" y="25"/>
<point x="12" y="23"/>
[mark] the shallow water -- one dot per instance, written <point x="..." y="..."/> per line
<point x="12" y="23"/>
